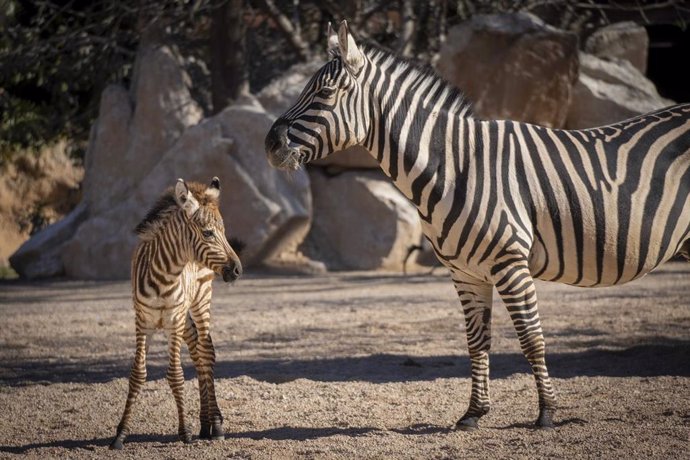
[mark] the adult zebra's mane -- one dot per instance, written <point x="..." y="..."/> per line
<point x="455" y="99"/>
<point x="165" y="207"/>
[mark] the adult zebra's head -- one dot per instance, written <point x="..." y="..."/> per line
<point x="330" y="114"/>
<point x="208" y="243"/>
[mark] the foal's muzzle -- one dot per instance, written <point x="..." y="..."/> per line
<point x="232" y="271"/>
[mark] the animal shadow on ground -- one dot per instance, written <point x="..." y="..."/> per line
<point x="89" y="444"/>
<point x="275" y="434"/>
<point x="655" y="356"/>
<point x="304" y="433"/>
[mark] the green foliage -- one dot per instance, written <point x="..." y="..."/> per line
<point x="57" y="56"/>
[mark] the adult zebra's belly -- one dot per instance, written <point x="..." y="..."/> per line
<point x="593" y="263"/>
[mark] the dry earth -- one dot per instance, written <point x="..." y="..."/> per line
<point x="352" y="365"/>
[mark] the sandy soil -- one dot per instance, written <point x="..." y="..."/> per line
<point x="352" y="365"/>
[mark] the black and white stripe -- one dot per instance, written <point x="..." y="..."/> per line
<point x="502" y="202"/>
<point x="182" y="246"/>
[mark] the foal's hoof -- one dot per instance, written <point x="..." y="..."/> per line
<point x="545" y="420"/>
<point x="467" y="424"/>
<point x="205" y="432"/>
<point x="185" y="436"/>
<point x="117" y="444"/>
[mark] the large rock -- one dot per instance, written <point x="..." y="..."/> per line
<point x="512" y="66"/>
<point x="160" y="127"/>
<point x="264" y="208"/>
<point x="134" y="130"/>
<point x="622" y="40"/>
<point x="108" y="143"/>
<point x="41" y="256"/>
<point x="361" y="221"/>
<point x="37" y="188"/>
<point x="282" y="93"/>
<point x="609" y="91"/>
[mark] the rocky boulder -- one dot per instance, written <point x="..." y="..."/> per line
<point x="261" y="206"/>
<point x="361" y="222"/>
<point x="512" y="66"/>
<point x="265" y="208"/>
<point x="134" y="129"/>
<point x="609" y="91"/>
<point x="623" y="40"/>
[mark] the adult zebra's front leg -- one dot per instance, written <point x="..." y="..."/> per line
<point x="475" y="297"/>
<point x="516" y="287"/>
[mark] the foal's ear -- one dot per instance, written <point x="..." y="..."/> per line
<point x="185" y="199"/>
<point x="213" y="189"/>
<point x="349" y="51"/>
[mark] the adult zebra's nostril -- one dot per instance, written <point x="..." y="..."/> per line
<point x="276" y="136"/>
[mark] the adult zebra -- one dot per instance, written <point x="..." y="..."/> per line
<point x="182" y="245"/>
<point x="501" y="202"/>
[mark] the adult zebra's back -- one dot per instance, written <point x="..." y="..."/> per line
<point x="501" y="202"/>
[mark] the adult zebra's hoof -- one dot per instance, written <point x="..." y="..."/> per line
<point x="217" y="433"/>
<point x="467" y="424"/>
<point x="545" y="420"/>
<point x="117" y="444"/>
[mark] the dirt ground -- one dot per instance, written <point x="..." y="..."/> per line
<point x="351" y="365"/>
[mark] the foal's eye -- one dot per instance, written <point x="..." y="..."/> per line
<point x="326" y="91"/>
<point x="207" y="233"/>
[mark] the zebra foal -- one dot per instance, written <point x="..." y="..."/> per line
<point x="501" y="202"/>
<point x="182" y="247"/>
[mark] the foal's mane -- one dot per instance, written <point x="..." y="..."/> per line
<point x="166" y="206"/>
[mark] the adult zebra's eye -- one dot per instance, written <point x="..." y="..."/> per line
<point x="207" y="233"/>
<point x="326" y="92"/>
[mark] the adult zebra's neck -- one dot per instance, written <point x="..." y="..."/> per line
<point x="415" y="118"/>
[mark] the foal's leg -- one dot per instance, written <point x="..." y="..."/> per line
<point x="201" y="314"/>
<point x="475" y="297"/>
<point x="176" y="379"/>
<point x="516" y="287"/>
<point x="137" y="378"/>
<point x="191" y="336"/>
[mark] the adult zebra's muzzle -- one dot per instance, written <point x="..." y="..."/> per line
<point x="280" y="154"/>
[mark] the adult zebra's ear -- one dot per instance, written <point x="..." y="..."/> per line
<point x="349" y="51"/>
<point x="333" y="45"/>
<point x="185" y="199"/>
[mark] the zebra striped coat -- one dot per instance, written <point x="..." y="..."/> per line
<point x="501" y="202"/>
<point x="182" y="246"/>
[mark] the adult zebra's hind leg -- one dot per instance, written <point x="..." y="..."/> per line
<point x="137" y="378"/>
<point x="516" y="288"/>
<point x="475" y="298"/>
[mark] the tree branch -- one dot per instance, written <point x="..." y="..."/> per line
<point x="287" y="29"/>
